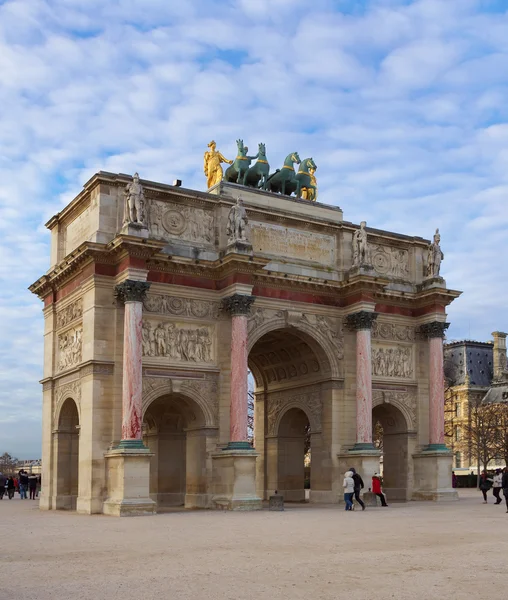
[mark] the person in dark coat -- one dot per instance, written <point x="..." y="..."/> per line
<point x="32" y="485"/>
<point x="504" y="484"/>
<point x="485" y="485"/>
<point x="358" y="487"/>
<point x="10" y="488"/>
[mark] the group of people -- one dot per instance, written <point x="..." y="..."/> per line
<point x="498" y="483"/>
<point x="353" y="484"/>
<point x="24" y="483"/>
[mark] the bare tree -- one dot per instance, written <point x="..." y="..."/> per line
<point x="480" y="432"/>
<point x="8" y="464"/>
<point x="250" y="417"/>
<point x="501" y="437"/>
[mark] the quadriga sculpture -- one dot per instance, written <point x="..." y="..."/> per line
<point x="237" y="171"/>
<point x="257" y="175"/>
<point x="283" y="180"/>
<point x="304" y="179"/>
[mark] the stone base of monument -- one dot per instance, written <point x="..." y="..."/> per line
<point x="128" y="483"/>
<point x="433" y="475"/>
<point x="361" y="270"/>
<point x="276" y="503"/>
<point x="431" y="282"/>
<point x="136" y="229"/>
<point x="234" y="480"/>
<point x="365" y="461"/>
<point x="370" y="499"/>
<point x="239" y="247"/>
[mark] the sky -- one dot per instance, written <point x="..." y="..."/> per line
<point x="402" y="104"/>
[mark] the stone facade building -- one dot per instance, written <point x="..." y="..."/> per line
<point x="159" y="299"/>
<point x="474" y="372"/>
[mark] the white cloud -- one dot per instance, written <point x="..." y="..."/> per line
<point x="403" y="105"/>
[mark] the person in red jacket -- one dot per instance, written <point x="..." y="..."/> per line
<point x="376" y="488"/>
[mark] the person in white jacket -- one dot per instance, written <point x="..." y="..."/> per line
<point x="349" y="489"/>
<point x="497" y="485"/>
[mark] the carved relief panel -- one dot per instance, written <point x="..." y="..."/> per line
<point x="180" y="343"/>
<point x="185" y="307"/>
<point x="69" y="348"/>
<point x="390" y="262"/>
<point x="308" y="401"/>
<point x="169" y="221"/>
<point x="393" y="361"/>
<point x="70" y="313"/>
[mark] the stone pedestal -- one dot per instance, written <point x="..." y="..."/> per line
<point x="276" y="503"/>
<point x="366" y="463"/>
<point x="128" y="482"/>
<point x="239" y="247"/>
<point x="135" y="229"/>
<point x="234" y="480"/>
<point x="433" y="477"/>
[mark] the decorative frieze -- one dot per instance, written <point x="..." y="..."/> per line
<point x="96" y="369"/>
<point x="184" y="307"/>
<point x="132" y="291"/>
<point x="308" y="401"/>
<point x="390" y="262"/>
<point x="69" y="348"/>
<point x="238" y="304"/>
<point x="168" y="220"/>
<point x="191" y="343"/>
<point x="70" y="313"/>
<point x="392" y="331"/>
<point x="392" y="361"/>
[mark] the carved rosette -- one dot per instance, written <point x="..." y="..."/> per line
<point x="237" y="304"/>
<point x="132" y="291"/>
<point x="361" y="320"/>
<point x="436" y="329"/>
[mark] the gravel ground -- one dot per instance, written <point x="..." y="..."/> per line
<point x="405" y="551"/>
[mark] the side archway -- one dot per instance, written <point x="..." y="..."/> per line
<point x="66" y="441"/>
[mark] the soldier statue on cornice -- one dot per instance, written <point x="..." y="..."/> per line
<point x="135" y="213"/>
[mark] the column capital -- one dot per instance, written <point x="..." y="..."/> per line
<point x="361" y="320"/>
<point x="436" y="329"/>
<point x="237" y="304"/>
<point x="131" y="290"/>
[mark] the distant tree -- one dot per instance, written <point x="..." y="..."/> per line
<point x="481" y="430"/>
<point x="8" y="464"/>
<point x="250" y="416"/>
<point x="501" y="436"/>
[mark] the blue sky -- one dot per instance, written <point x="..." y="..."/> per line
<point x="402" y="104"/>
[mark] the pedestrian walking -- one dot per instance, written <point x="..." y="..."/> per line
<point x="23" y="484"/>
<point x="3" y="480"/>
<point x="504" y="484"/>
<point x="376" y="488"/>
<point x="485" y="485"/>
<point x="10" y="487"/>
<point x="32" y="485"/>
<point x="497" y="485"/>
<point x="349" y="490"/>
<point x="358" y="481"/>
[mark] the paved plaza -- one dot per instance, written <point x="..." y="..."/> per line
<point x="414" y="550"/>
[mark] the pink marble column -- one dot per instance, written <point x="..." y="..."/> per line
<point x="238" y="306"/>
<point x="132" y="293"/>
<point x="435" y="333"/>
<point x="362" y="322"/>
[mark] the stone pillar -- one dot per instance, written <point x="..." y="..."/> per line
<point x="128" y="465"/>
<point x="238" y="306"/>
<point x="435" y="332"/>
<point x="132" y="293"/>
<point x="234" y="468"/>
<point x="362" y="322"/>
<point x="499" y="354"/>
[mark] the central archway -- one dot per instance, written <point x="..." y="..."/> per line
<point x="174" y="429"/>
<point x="290" y="369"/>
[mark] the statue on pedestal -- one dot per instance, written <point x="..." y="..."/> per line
<point x="212" y="160"/>
<point x="360" y="248"/>
<point x="434" y="257"/>
<point x="237" y="223"/>
<point x="135" y="203"/>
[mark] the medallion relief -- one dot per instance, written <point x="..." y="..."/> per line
<point x="190" y="343"/>
<point x="392" y="361"/>
<point x="168" y="220"/>
<point x="69" y="348"/>
<point x="391" y="262"/>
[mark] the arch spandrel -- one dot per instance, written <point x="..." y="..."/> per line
<point x="404" y="402"/>
<point x="203" y="392"/>
<point x="319" y="332"/>
<point x="70" y="391"/>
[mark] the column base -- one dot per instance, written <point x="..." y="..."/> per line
<point x="131" y="445"/>
<point x="441" y="448"/>
<point x="433" y="476"/>
<point x="234" y="479"/>
<point x="238" y="446"/>
<point x="128" y="482"/>
<point x="362" y="447"/>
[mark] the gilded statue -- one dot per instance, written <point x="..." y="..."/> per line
<point x="212" y="161"/>
<point x="310" y="193"/>
<point x="434" y="257"/>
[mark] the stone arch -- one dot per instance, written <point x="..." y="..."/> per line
<point x="167" y="387"/>
<point x="66" y="445"/>
<point x="405" y="402"/>
<point x="312" y="416"/>
<point x="317" y="340"/>
<point x="69" y="391"/>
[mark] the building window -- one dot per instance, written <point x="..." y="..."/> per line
<point x="458" y="460"/>
<point x="457" y="433"/>
<point x="457" y="409"/>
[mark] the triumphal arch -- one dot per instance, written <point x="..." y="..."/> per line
<point x="160" y="300"/>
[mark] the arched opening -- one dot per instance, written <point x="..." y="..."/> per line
<point x="292" y="434"/>
<point x="174" y="430"/>
<point x="290" y="370"/>
<point x="390" y="435"/>
<point x="67" y="452"/>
